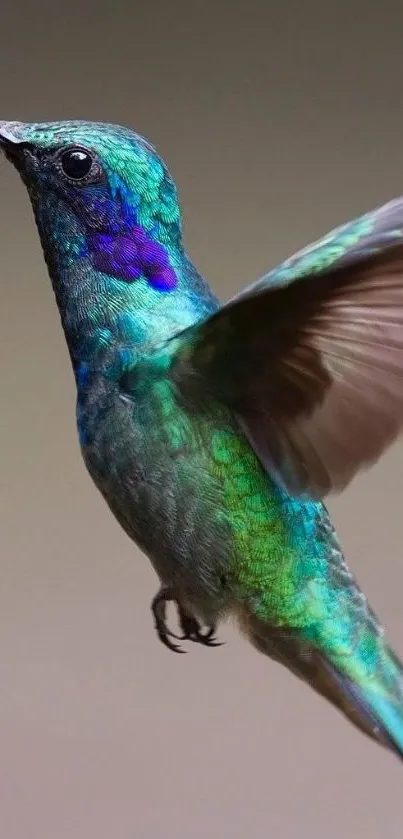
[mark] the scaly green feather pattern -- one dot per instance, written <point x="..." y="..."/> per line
<point x="158" y="432"/>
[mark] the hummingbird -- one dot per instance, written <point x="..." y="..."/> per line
<point x="215" y="432"/>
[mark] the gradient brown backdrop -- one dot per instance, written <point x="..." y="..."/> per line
<point x="278" y="121"/>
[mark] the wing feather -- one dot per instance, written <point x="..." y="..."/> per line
<point x="310" y="358"/>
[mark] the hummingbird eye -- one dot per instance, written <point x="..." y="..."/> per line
<point x="78" y="164"/>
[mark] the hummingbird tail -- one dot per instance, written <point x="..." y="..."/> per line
<point x="374" y="707"/>
<point x="371" y="699"/>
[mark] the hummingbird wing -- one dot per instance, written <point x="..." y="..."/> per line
<point x="310" y="357"/>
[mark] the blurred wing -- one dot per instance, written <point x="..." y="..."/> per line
<point x="310" y="358"/>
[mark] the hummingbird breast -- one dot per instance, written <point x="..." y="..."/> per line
<point x="153" y="465"/>
<point x="191" y="492"/>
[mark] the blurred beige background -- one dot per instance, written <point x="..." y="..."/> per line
<point x="279" y="121"/>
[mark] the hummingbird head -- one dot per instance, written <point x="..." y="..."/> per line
<point x="109" y="221"/>
<point x="99" y="192"/>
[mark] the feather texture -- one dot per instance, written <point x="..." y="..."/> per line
<point x="311" y="357"/>
<point x="308" y="362"/>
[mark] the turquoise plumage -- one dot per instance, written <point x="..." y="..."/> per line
<point x="216" y="432"/>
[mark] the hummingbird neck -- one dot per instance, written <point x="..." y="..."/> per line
<point x="120" y="273"/>
<point x="122" y="292"/>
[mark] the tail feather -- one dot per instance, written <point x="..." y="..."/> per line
<point x="373" y="701"/>
<point x="370" y="708"/>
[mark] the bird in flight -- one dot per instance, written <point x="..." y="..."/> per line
<point x="215" y="432"/>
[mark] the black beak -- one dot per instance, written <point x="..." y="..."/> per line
<point x="11" y="142"/>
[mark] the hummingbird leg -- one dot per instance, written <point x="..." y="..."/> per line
<point x="192" y="630"/>
<point x="159" y="610"/>
<point x="190" y="626"/>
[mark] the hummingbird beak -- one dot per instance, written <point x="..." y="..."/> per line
<point x="12" y="142"/>
<point x="9" y="132"/>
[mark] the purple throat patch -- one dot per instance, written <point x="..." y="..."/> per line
<point x="131" y="255"/>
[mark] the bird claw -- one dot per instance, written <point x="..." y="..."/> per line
<point x="158" y="608"/>
<point x="190" y="626"/>
<point x="192" y="630"/>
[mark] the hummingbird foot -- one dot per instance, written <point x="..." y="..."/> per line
<point x="192" y="630"/>
<point x="190" y="626"/>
